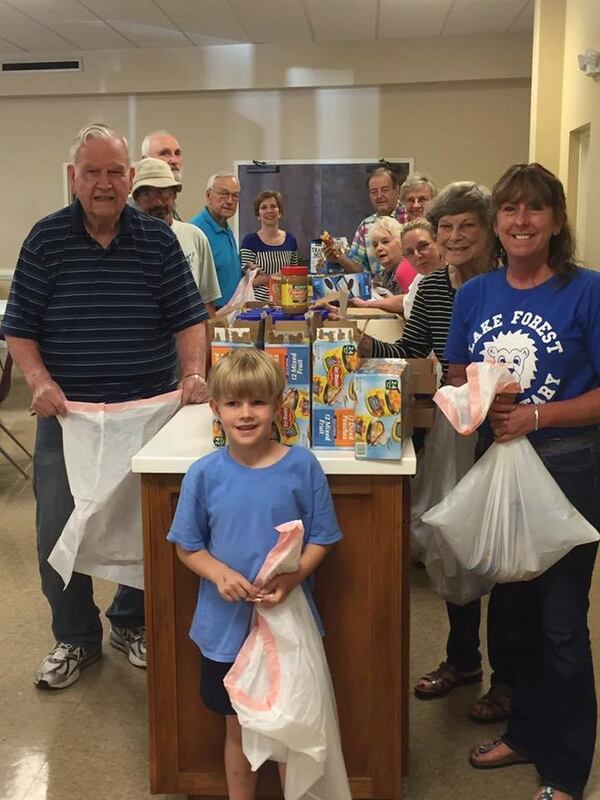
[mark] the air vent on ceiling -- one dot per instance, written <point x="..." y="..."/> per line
<point x="72" y="65"/>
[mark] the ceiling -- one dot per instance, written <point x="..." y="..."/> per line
<point x="59" y="26"/>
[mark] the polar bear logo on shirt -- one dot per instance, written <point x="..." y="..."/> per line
<point x="517" y="351"/>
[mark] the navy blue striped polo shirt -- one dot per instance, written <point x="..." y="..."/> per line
<point x="104" y="318"/>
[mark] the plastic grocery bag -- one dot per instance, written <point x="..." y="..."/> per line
<point x="447" y="457"/>
<point x="507" y="519"/>
<point x="281" y="690"/>
<point x="244" y="293"/>
<point x="103" y="535"/>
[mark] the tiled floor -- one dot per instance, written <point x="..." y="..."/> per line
<point x="90" y="741"/>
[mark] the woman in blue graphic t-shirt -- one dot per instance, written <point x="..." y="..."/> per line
<point x="540" y="315"/>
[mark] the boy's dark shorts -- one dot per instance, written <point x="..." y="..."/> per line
<point x="212" y="691"/>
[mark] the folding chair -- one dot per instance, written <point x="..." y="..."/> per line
<point x="5" y="383"/>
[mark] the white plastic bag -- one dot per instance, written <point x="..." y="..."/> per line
<point x="447" y="457"/>
<point x="103" y="535"/>
<point x="281" y="689"/>
<point x="507" y="520"/>
<point x="244" y="293"/>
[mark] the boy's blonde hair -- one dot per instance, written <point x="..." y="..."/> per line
<point x="246" y="373"/>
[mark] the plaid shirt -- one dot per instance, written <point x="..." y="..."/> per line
<point x="362" y="247"/>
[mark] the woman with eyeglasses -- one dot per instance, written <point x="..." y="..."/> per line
<point x="270" y="248"/>
<point x="390" y="239"/>
<point x="416" y="194"/>
<point x="460" y="216"/>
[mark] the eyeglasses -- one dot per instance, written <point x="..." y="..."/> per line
<point x="223" y="194"/>
<point x="151" y="192"/>
<point x="420" y="248"/>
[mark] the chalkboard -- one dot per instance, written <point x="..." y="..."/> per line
<point x="317" y="196"/>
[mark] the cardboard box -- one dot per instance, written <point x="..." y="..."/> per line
<point x="225" y="336"/>
<point x="334" y="362"/>
<point x="423" y="375"/>
<point x="290" y="344"/>
<point x="382" y="409"/>
<point x="423" y="413"/>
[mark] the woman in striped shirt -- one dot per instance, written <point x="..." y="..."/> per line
<point x="270" y="248"/>
<point x="460" y="215"/>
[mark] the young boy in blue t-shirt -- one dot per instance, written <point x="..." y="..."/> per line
<point x="224" y="527"/>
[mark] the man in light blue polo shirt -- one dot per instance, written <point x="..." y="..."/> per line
<point x="222" y="197"/>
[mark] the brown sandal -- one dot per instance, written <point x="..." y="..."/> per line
<point x="443" y="680"/>
<point x="493" y="706"/>
<point x="512" y="759"/>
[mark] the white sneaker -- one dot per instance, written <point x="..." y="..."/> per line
<point x="62" y="666"/>
<point x="131" y="641"/>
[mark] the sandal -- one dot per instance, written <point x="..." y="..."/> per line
<point x="443" y="680"/>
<point x="493" y="706"/>
<point x="512" y="759"/>
<point x="547" y="793"/>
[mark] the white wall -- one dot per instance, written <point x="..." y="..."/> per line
<point x="454" y="128"/>
<point x="565" y="101"/>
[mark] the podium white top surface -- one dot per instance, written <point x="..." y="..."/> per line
<point x="188" y="436"/>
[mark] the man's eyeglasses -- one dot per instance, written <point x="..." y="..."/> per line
<point x="420" y="248"/>
<point x="223" y="194"/>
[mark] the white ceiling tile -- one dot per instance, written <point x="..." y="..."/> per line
<point x="272" y="20"/>
<point x="402" y="19"/>
<point x="140" y="21"/>
<point x="41" y="26"/>
<point x="524" y="21"/>
<point x="481" y="16"/>
<point x="338" y="20"/>
<point x="18" y="29"/>
<point x="72" y="20"/>
<point x="206" y="21"/>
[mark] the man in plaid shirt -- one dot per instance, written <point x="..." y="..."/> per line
<point x="384" y="193"/>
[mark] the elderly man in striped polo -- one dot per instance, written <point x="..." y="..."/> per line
<point x="101" y="305"/>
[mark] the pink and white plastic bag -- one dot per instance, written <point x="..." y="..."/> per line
<point x="281" y="690"/>
<point x="103" y="535"/>
<point x="507" y="519"/>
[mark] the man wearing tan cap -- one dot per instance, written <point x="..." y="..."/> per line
<point x="155" y="192"/>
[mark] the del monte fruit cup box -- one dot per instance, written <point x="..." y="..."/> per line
<point x="289" y="343"/>
<point x="335" y="360"/>
<point x="382" y="408"/>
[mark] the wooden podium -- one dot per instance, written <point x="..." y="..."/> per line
<point x="362" y="591"/>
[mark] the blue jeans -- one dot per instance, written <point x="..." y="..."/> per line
<point x="554" y="713"/>
<point x="75" y="616"/>
<point x="462" y="648"/>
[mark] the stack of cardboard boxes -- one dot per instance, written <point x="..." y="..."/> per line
<point x="330" y="399"/>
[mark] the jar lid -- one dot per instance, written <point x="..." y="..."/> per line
<point x="293" y="270"/>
